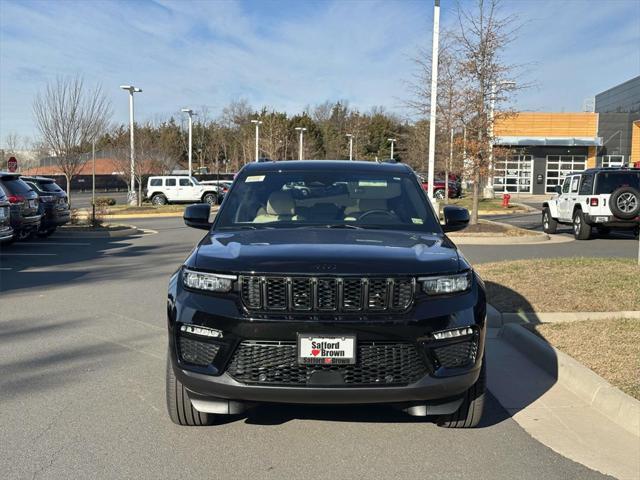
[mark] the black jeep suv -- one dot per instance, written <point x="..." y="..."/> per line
<point x="25" y="219"/>
<point x="54" y="204"/>
<point x="326" y="282"/>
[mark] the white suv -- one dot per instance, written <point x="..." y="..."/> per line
<point x="603" y="198"/>
<point x="177" y="189"/>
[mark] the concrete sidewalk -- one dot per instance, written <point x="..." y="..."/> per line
<point x="556" y="417"/>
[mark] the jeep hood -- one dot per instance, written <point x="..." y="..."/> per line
<point x="327" y="251"/>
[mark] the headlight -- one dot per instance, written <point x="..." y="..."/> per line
<point x="211" y="282"/>
<point x="446" y="283"/>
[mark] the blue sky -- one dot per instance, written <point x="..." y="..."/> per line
<point x="290" y="54"/>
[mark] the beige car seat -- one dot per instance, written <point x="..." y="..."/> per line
<point x="280" y="206"/>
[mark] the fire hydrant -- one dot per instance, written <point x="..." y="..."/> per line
<point x="505" y="200"/>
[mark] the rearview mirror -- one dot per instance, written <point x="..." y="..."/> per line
<point x="455" y="218"/>
<point x="197" y="216"/>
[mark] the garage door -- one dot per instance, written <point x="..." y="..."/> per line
<point x="559" y="166"/>
<point x="513" y="174"/>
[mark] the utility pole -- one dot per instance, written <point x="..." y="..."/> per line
<point x="393" y="141"/>
<point x="350" y="137"/>
<point x="190" y="112"/>
<point x="301" y="130"/>
<point x="257" y="123"/>
<point x="434" y="97"/>
<point x="133" y="200"/>
<point x="93" y="182"/>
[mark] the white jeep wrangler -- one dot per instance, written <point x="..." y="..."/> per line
<point x="178" y="189"/>
<point x="603" y="198"/>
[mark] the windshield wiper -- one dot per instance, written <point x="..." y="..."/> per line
<point x="244" y="227"/>
<point x="341" y="225"/>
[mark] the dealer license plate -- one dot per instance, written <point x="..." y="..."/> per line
<point x="326" y="349"/>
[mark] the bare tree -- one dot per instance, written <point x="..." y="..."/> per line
<point x="69" y="116"/>
<point x="482" y="36"/>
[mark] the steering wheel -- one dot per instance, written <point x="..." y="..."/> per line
<point x="378" y="212"/>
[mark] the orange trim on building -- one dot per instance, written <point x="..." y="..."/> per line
<point x="635" y="142"/>
<point x="538" y="124"/>
<point x="104" y="166"/>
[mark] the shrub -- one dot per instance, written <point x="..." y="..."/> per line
<point x="105" y="201"/>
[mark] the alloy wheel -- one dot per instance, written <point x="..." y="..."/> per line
<point x="627" y="202"/>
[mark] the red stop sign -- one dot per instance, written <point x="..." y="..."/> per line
<point x="12" y="164"/>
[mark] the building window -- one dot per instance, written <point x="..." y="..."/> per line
<point x="613" y="161"/>
<point x="513" y="174"/>
<point x="559" y="166"/>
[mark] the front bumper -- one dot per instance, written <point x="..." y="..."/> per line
<point x="435" y="385"/>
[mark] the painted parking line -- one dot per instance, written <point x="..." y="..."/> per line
<point x="3" y="254"/>
<point x="55" y="243"/>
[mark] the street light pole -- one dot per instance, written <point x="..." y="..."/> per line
<point x="258" y="123"/>
<point x="93" y="182"/>
<point x="301" y="130"/>
<point x="434" y="97"/>
<point x="350" y="137"/>
<point x="133" y="200"/>
<point x="190" y="112"/>
<point x="393" y="141"/>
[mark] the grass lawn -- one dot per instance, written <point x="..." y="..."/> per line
<point x="616" y="342"/>
<point x="486" y="204"/>
<point x="563" y="285"/>
<point x="492" y="229"/>
<point x="121" y="209"/>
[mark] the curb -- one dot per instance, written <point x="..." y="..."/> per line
<point x="499" y="319"/>
<point x="143" y="215"/>
<point x="610" y="401"/>
<point x="125" y="232"/>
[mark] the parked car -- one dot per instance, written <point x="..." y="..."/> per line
<point x="6" y="232"/>
<point x="600" y="198"/>
<point x="25" y="219"/>
<point x="350" y="295"/>
<point x="54" y="204"/>
<point x="222" y="185"/>
<point x="179" y="189"/>
<point x="439" y="188"/>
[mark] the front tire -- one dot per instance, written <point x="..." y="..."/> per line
<point x="179" y="405"/>
<point x="158" y="200"/>
<point x="210" y="198"/>
<point x="581" y="229"/>
<point x="549" y="224"/>
<point x="46" y="233"/>
<point x="470" y="412"/>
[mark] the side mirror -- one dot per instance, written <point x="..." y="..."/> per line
<point x="558" y="189"/>
<point x="455" y="218"/>
<point x="197" y="216"/>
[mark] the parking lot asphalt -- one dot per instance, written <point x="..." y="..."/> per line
<point x="82" y="358"/>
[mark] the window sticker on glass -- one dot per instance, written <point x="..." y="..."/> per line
<point x="254" y="178"/>
<point x="372" y="183"/>
<point x="417" y="221"/>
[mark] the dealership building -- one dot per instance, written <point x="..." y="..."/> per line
<point x="535" y="151"/>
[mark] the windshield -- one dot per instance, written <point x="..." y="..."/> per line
<point x="329" y="199"/>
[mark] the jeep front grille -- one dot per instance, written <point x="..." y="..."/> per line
<point x="326" y="294"/>
<point x="276" y="363"/>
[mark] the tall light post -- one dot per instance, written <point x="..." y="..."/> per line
<point x="133" y="200"/>
<point x="488" y="192"/>
<point x="434" y="97"/>
<point x="257" y="123"/>
<point x="350" y="137"/>
<point x="301" y="130"/>
<point x="393" y="141"/>
<point x="191" y="113"/>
